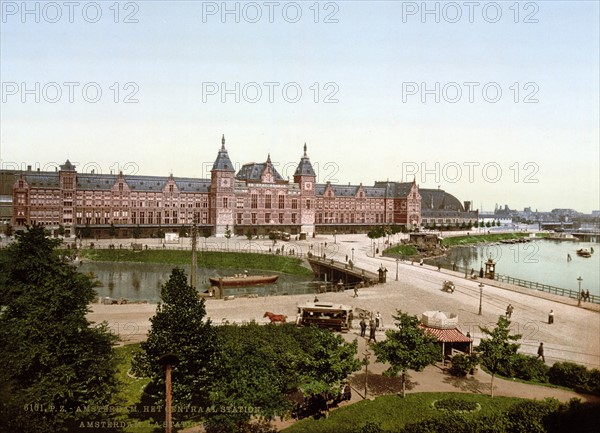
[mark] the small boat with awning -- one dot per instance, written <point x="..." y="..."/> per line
<point x="242" y="280"/>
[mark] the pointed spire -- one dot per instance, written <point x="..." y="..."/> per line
<point x="269" y="158"/>
<point x="223" y="142"/>
<point x="305" y="155"/>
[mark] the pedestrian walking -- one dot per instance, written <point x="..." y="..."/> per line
<point x="372" y="331"/>
<point x="355" y="291"/>
<point x="551" y="317"/>
<point x="587" y="295"/>
<point x="509" y="311"/>
<point x="378" y="321"/>
<point x="541" y="352"/>
<point x="363" y="327"/>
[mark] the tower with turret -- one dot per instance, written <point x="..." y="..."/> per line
<point x="222" y="194"/>
<point x="306" y="179"/>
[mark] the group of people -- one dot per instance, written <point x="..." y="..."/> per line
<point x="585" y="295"/>
<point x="374" y="324"/>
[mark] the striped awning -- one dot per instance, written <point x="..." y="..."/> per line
<point x="448" y="335"/>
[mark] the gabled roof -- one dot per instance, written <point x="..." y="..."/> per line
<point x="349" y="190"/>
<point x="395" y="189"/>
<point x="223" y="162"/>
<point x="253" y="171"/>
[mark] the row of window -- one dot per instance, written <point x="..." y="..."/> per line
<point x="265" y="218"/>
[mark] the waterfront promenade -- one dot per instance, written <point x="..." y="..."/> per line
<point x="572" y="337"/>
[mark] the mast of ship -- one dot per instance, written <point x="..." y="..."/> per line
<point x="193" y="280"/>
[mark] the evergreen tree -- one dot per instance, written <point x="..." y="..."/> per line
<point x="408" y="348"/>
<point x="178" y="327"/>
<point x="53" y="361"/>
<point x="497" y="351"/>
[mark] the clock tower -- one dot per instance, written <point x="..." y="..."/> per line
<point x="306" y="178"/>
<point x="222" y="194"/>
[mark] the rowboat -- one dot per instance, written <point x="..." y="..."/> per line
<point x="243" y="280"/>
<point x="583" y="252"/>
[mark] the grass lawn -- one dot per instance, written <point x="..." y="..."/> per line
<point x="476" y="239"/>
<point x="211" y="259"/>
<point x="402" y="250"/>
<point x="393" y="412"/>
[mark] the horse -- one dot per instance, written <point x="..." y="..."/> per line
<point x="275" y="317"/>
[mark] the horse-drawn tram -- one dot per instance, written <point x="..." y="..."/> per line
<point x="325" y="315"/>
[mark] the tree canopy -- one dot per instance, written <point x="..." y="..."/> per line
<point x="179" y="327"/>
<point x="259" y="366"/>
<point x="53" y="360"/>
<point x="497" y="351"/>
<point x="408" y="348"/>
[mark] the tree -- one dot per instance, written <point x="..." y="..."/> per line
<point x="61" y="230"/>
<point x="227" y="235"/>
<point x="249" y="235"/>
<point x="179" y="327"/>
<point x="52" y="355"/>
<point x="86" y="232"/>
<point x="136" y="232"/>
<point x="182" y="232"/>
<point x="112" y="231"/>
<point x="8" y="229"/>
<point x="261" y="365"/>
<point x="408" y="348"/>
<point x="497" y="351"/>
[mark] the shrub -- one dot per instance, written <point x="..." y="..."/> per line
<point x="463" y="364"/>
<point x="369" y="427"/>
<point x="569" y="374"/>
<point x="530" y="368"/>
<point x="529" y="416"/>
<point x="455" y="405"/>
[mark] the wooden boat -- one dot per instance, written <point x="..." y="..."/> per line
<point x="583" y="252"/>
<point x="243" y="280"/>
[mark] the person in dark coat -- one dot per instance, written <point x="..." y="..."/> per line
<point x="363" y="327"/>
<point x="541" y="352"/>
<point x="372" y="329"/>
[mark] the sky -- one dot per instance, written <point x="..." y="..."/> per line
<point x="495" y="102"/>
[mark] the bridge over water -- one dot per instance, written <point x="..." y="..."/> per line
<point x="333" y="271"/>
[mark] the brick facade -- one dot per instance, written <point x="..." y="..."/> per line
<point x="255" y="199"/>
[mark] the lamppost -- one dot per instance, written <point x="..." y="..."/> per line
<point x="352" y="255"/>
<point x="579" y="280"/>
<point x="480" y="297"/>
<point x="367" y="354"/>
<point x="397" y="260"/>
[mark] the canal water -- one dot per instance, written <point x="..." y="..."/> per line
<point x="143" y="281"/>
<point x="543" y="261"/>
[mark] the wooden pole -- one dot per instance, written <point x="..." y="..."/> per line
<point x="168" y="413"/>
<point x="193" y="278"/>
